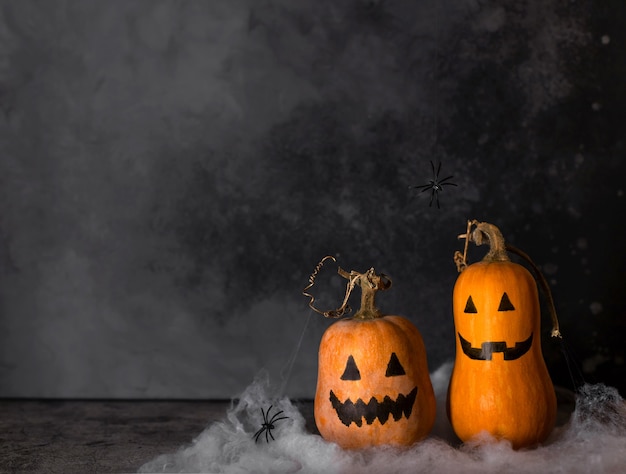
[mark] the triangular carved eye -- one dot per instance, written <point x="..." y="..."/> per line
<point x="394" y="367"/>
<point x="469" y="306"/>
<point x="505" y="303"/>
<point x="351" y="371"/>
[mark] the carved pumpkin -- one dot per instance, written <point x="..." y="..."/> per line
<point x="373" y="384"/>
<point x="500" y="383"/>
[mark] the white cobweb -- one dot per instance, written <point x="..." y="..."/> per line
<point x="593" y="440"/>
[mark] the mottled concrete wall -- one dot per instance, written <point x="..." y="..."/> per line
<point x="171" y="172"/>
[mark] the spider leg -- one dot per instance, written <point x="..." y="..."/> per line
<point x="447" y="184"/>
<point x="438" y="170"/>
<point x="271" y="436"/>
<point x="432" y="195"/>
<point x="274" y="418"/>
<point x="426" y="186"/>
<point x="257" y="434"/>
<point x="446" y="179"/>
<point x="438" y="206"/>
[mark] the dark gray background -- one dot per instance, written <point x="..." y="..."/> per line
<point x="171" y="172"/>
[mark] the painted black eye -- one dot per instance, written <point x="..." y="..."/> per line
<point x="505" y="303"/>
<point x="470" y="307"/>
<point x="351" y="372"/>
<point x="394" y="367"/>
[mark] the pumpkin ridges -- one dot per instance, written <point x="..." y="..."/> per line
<point x="359" y="336"/>
<point x="508" y="410"/>
<point x="398" y="405"/>
<point x="373" y="333"/>
<point x="507" y="392"/>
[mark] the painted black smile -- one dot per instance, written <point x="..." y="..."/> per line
<point x="350" y="412"/>
<point x="488" y="348"/>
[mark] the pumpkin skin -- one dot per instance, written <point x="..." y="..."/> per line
<point x="500" y="383"/>
<point x="388" y="399"/>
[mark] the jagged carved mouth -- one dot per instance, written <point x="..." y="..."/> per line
<point x="487" y="349"/>
<point x="351" y="412"/>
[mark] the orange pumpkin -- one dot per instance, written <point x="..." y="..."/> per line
<point x="373" y="384"/>
<point x="500" y="383"/>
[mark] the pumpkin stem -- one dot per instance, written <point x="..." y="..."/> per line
<point x="486" y="233"/>
<point x="369" y="282"/>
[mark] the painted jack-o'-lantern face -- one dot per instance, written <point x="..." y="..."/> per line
<point x="496" y="310"/>
<point x="350" y="411"/>
<point x="373" y="383"/>
<point x="500" y="383"/>
<point x="488" y="348"/>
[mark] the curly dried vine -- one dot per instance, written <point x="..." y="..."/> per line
<point x="369" y="278"/>
<point x="328" y="314"/>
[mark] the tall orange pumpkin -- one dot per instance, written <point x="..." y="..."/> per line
<point x="373" y="384"/>
<point x="500" y="383"/>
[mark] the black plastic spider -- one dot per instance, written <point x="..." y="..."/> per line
<point x="268" y="424"/>
<point x="435" y="185"/>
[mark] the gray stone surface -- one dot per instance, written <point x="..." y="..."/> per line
<point x="96" y="436"/>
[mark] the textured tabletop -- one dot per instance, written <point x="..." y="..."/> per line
<point x="97" y="436"/>
<point x="106" y="436"/>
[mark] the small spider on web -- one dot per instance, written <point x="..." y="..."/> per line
<point x="268" y="424"/>
<point x="435" y="185"/>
